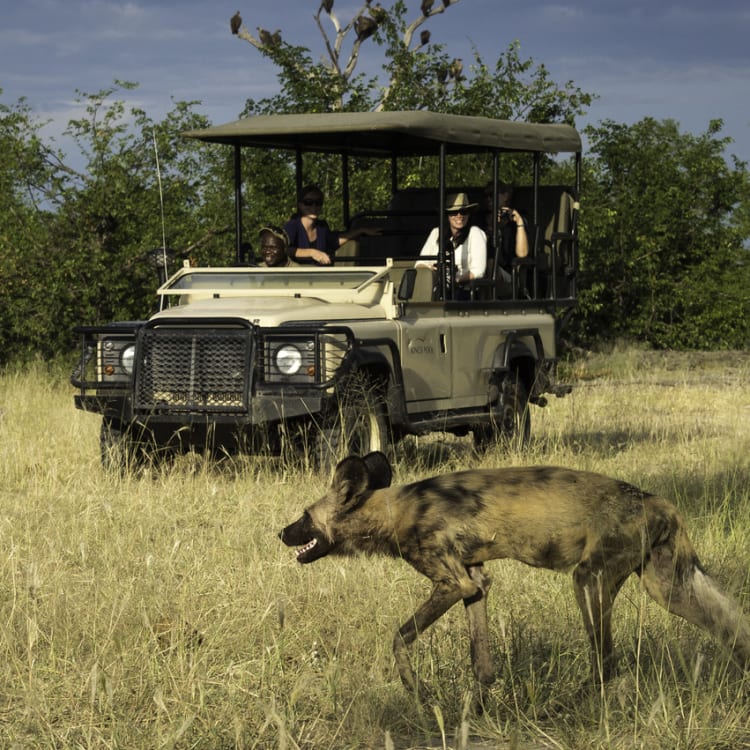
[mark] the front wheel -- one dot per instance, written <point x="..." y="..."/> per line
<point x="358" y="425"/>
<point x="509" y="418"/>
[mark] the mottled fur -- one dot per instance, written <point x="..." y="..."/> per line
<point x="447" y="526"/>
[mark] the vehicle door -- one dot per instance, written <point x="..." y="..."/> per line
<point x="426" y="356"/>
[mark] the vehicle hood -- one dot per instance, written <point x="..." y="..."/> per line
<point x="272" y="311"/>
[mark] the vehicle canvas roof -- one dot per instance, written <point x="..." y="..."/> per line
<point x="391" y="133"/>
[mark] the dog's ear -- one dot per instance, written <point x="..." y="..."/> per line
<point x="351" y="479"/>
<point x="379" y="469"/>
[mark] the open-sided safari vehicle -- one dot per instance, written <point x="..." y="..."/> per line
<point x="354" y="356"/>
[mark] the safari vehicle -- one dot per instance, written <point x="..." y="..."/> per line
<point x="354" y="356"/>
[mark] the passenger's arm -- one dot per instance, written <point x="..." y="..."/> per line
<point x="522" y="237"/>
<point x="318" y="256"/>
<point x="476" y="256"/>
<point x="352" y="234"/>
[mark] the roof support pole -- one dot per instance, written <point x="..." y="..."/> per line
<point x="238" y="202"/>
<point x="446" y="267"/>
<point x="297" y="173"/>
<point x="537" y="159"/>
<point x="493" y="215"/>
<point x="345" y="197"/>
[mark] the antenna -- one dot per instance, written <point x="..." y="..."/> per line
<point x="161" y="208"/>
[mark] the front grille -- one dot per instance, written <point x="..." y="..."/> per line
<point x="193" y="370"/>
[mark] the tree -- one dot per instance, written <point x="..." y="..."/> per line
<point x="333" y="83"/>
<point x="27" y="178"/>
<point x="663" y="240"/>
<point x="417" y="74"/>
<point x="83" y="253"/>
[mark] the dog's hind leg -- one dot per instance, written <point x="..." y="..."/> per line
<point x="697" y="598"/>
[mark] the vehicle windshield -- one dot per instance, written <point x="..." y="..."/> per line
<point x="313" y="278"/>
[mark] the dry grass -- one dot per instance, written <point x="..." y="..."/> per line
<point x="162" y="611"/>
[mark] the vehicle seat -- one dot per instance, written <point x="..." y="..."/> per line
<point x="550" y="267"/>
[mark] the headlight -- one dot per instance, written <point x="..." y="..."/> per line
<point x="116" y="357"/>
<point x="126" y="358"/>
<point x="288" y="359"/>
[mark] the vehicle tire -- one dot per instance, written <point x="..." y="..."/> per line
<point x="510" y="421"/>
<point x="120" y="451"/>
<point x="358" y="425"/>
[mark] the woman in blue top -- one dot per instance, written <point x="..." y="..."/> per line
<point x="311" y="240"/>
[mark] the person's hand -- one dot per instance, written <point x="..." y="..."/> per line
<point x="510" y="214"/>
<point x="321" y="258"/>
<point x="432" y="265"/>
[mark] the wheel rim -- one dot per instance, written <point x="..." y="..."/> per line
<point x="358" y="425"/>
<point x="366" y="435"/>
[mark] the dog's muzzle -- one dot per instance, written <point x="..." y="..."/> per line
<point x="303" y="534"/>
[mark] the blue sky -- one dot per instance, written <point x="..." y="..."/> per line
<point x="689" y="61"/>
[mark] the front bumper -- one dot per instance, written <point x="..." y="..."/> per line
<point x="220" y="372"/>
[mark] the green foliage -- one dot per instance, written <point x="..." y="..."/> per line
<point x="306" y="86"/>
<point x="663" y="255"/>
<point x="26" y="182"/>
<point x="81" y="252"/>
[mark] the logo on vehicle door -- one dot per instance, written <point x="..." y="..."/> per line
<point x="420" y="346"/>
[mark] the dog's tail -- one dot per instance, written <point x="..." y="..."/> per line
<point x="674" y="577"/>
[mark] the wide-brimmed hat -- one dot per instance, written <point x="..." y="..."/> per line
<point x="277" y="232"/>
<point x="457" y="201"/>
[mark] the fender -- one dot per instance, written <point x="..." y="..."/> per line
<point x="515" y="354"/>
<point x="513" y="348"/>
<point x="381" y="357"/>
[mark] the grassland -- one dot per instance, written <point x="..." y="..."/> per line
<point x="162" y="611"/>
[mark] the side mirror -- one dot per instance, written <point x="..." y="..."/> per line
<point x="406" y="287"/>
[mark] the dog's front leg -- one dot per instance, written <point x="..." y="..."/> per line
<point x="444" y="595"/>
<point x="476" y="612"/>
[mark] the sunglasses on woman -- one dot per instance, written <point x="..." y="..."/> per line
<point x="459" y="212"/>
<point x="312" y="202"/>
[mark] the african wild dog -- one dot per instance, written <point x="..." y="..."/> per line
<point x="547" y="517"/>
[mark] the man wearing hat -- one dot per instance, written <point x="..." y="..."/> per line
<point x="274" y="247"/>
<point x="467" y="242"/>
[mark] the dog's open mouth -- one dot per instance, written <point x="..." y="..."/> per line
<point x="311" y="544"/>
<point x="316" y="548"/>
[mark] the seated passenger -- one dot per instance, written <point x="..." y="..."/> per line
<point x="311" y="240"/>
<point x="468" y="244"/>
<point x="512" y="236"/>
<point x="274" y="248"/>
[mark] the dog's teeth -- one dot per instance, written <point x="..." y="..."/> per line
<point x="307" y="547"/>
